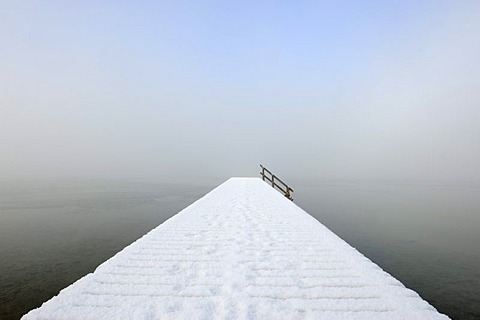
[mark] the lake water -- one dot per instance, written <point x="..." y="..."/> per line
<point x="425" y="234"/>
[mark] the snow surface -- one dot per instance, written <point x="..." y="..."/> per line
<point x="241" y="252"/>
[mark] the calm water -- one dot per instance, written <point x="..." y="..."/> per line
<point x="426" y="235"/>
<point x="51" y="234"/>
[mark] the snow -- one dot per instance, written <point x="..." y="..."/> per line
<point x="243" y="251"/>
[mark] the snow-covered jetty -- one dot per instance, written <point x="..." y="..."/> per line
<point x="243" y="251"/>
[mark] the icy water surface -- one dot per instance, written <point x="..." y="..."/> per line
<point x="424" y="234"/>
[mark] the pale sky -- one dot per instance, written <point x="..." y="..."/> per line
<point x="177" y="89"/>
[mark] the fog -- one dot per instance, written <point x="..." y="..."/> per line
<point x="197" y="91"/>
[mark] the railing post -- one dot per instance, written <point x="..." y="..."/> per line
<point x="273" y="181"/>
<point x="287" y="194"/>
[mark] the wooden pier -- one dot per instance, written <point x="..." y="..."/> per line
<point x="243" y="251"/>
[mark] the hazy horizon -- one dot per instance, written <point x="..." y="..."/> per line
<point x="197" y="91"/>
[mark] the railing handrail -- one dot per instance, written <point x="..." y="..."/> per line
<point x="273" y="179"/>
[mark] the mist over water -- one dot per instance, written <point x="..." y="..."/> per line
<point x="183" y="90"/>
<point x="423" y="233"/>
<point x="370" y="109"/>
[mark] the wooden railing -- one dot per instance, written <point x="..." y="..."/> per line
<point x="276" y="182"/>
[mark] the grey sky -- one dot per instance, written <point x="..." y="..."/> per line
<point x="180" y="89"/>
